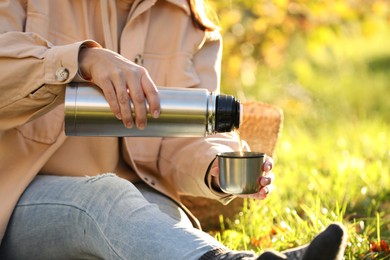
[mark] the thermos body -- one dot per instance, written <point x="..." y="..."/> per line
<point x="184" y="113"/>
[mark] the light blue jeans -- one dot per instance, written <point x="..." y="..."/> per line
<point x="103" y="217"/>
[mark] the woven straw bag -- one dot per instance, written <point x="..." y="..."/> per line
<point x="261" y="127"/>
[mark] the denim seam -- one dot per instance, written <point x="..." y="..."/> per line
<point x="82" y="210"/>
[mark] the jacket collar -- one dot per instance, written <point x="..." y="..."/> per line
<point x="140" y="6"/>
<point x="183" y="4"/>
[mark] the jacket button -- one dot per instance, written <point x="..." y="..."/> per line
<point x="62" y="74"/>
<point x="139" y="60"/>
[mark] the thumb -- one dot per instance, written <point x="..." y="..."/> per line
<point x="214" y="171"/>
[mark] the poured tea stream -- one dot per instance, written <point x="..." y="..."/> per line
<point x="237" y="133"/>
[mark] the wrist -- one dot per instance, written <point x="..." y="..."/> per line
<point x="84" y="62"/>
<point x="214" y="184"/>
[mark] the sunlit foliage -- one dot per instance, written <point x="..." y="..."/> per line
<point x="263" y="31"/>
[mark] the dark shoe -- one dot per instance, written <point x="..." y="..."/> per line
<point x="328" y="245"/>
<point x="296" y="253"/>
<point x="219" y="254"/>
<point x="272" y="255"/>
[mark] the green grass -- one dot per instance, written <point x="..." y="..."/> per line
<point x="340" y="175"/>
<point x="332" y="160"/>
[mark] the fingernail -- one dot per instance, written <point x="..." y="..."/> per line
<point x="141" y="126"/>
<point x="129" y="124"/>
<point x="156" y="114"/>
<point x="267" y="167"/>
<point x="118" y="115"/>
<point x="264" y="191"/>
<point x="265" y="181"/>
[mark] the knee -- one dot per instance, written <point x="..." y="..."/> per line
<point x="108" y="187"/>
<point x="103" y="177"/>
<point x="107" y="181"/>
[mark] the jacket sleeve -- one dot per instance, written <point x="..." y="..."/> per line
<point x="185" y="163"/>
<point x="34" y="72"/>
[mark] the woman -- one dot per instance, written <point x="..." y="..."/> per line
<point x="49" y="209"/>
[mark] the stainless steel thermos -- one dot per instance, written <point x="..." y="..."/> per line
<point x="185" y="112"/>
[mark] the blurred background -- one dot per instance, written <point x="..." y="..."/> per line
<point x="326" y="64"/>
<point x="300" y="54"/>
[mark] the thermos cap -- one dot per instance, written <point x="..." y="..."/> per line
<point x="227" y="113"/>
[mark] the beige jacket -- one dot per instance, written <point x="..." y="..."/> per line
<point x="40" y="39"/>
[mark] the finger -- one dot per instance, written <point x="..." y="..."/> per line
<point x="268" y="164"/>
<point x="151" y="94"/>
<point x="264" y="191"/>
<point x="257" y="195"/>
<point x="214" y="171"/>
<point x="137" y="96"/>
<point x="124" y="103"/>
<point x="267" y="179"/>
<point x="110" y="95"/>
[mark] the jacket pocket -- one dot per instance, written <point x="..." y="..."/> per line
<point x="45" y="129"/>
<point x="174" y="70"/>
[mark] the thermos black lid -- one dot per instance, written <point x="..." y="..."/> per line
<point x="227" y="113"/>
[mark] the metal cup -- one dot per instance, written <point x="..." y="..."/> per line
<point x="240" y="172"/>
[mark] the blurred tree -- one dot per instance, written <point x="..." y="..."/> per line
<point x="261" y="31"/>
